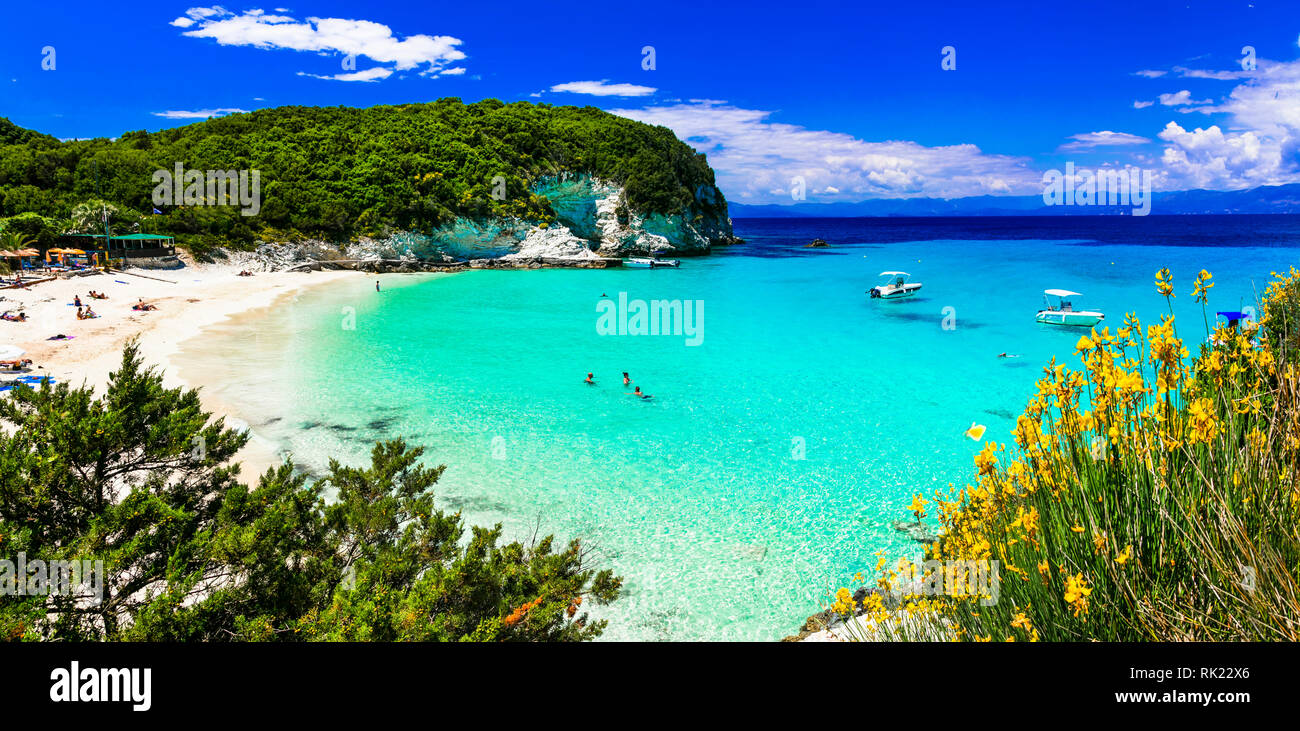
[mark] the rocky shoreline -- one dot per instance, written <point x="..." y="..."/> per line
<point x="411" y="266"/>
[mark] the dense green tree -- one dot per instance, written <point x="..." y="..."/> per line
<point x="140" y="478"/>
<point x="339" y="172"/>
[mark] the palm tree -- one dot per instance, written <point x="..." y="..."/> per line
<point x="13" y="241"/>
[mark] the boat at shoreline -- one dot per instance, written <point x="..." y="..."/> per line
<point x="1063" y="313"/>
<point x="650" y="262"/>
<point x="895" y="287"/>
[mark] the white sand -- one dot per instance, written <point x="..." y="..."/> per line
<point x="193" y="298"/>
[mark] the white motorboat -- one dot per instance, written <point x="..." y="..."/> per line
<point x="1062" y="312"/>
<point x="894" y="287"/>
<point x="649" y="262"/>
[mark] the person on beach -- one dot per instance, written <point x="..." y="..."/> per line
<point x="376" y="285"/>
<point x="627" y="381"/>
<point x="590" y="379"/>
<point x="76" y="300"/>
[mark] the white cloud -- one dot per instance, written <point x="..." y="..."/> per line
<point x="1217" y="75"/>
<point x="357" y="38"/>
<point x="1142" y="104"/>
<point x="1149" y="73"/>
<point x="199" y="113"/>
<point x="1104" y="138"/>
<point x="378" y="73"/>
<point x="604" y="88"/>
<point x="458" y="71"/>
<point x="1259" y="144"/>
<point x="756" y="159"/>
<point x="1180" y="98"/>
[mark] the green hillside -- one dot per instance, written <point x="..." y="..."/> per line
<point x="339" y="172"/>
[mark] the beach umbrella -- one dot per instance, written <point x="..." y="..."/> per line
<point x="11" y="352"/>
<point x="28" y="252"/>
<point x="74" y="252"/>
<point x="9" y="253"/>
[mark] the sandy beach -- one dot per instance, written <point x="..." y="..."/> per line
<point x="188" y="300"/>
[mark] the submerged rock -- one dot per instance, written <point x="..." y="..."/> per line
<point x="817" y="244"/>
<point x="918" y="532"/>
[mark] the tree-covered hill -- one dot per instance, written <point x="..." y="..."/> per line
<point x="339" y="172"/>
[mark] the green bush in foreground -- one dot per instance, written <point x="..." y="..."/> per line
<point x="140" y="478"/>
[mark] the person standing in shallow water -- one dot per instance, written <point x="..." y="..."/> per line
<point x="376" y="285"/>
<point x="626" y="380"/>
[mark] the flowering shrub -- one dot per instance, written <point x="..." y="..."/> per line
<point x="1150" y="495"/>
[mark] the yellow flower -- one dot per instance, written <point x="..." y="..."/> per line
<point x="1124" y="555"/>
<point x="1165" y="283"/>
<point x="1076" y="594"/>
<point x="1202" y="287"/>
<point x="1020" y="621"/>
<point x="986" y="460"/>
<point x="1205" y="423"/>
<point x="1076" y="528"/>
<point x="1099" y="541"/>
<point x="918" y="506"/>
<point x="844" y="604"/>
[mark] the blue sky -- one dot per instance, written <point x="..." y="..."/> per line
<point x="850" y="97"/>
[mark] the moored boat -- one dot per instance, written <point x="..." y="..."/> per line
<point x="894" y="287"/>
<point x="649" y="262"/>
<point x="1063" y="312"/>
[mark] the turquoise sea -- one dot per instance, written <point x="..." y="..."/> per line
<point x="774" y="455"/>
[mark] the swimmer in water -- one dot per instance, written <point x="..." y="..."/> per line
<point x="1004" y="355"/>
<point x="637" y="392"/>
<point x="627" y="381"/>
<point x="589" y="379"/>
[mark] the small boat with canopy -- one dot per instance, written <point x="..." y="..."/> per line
<point x="895" y="286"/>
<point x="1062" y="312"/>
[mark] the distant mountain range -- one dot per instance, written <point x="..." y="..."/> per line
<point x="1264" y="199"/>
